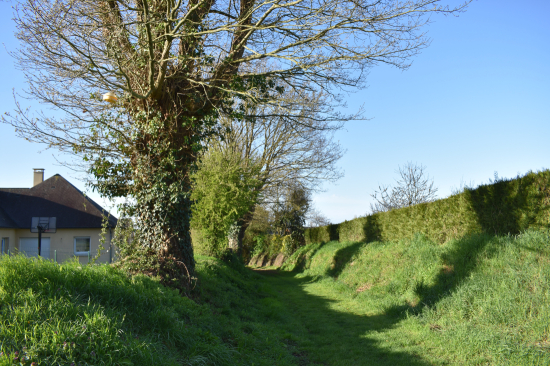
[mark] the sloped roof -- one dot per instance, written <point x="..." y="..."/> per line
<point x="5" y="220"/>
<point x="54" y="197"/>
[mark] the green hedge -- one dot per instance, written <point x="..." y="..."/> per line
<point x="507" y="206"/>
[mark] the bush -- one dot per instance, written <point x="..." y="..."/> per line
<point x="225" y="187"/>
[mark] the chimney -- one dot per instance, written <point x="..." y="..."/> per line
<point x="38" y="176"/>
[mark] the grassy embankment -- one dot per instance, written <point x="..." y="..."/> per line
<point x="480" y="300"/>
<point x="96" y="315"/>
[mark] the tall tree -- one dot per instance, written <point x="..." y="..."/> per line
<point x="290" y="215"/>
<point x="174" y="66"/>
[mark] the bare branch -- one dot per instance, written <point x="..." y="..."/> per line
<point x="413" y="187"/>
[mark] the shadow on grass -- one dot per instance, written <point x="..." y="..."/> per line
<point x="458" y="265"/>
<point x="511" y="206"/>
<point x="324" y="234"/>
<point x="303" y="258"/>
<point x="371" y="231"/>
<point x="342" y="257"/>
<point x="341" y="338"/>
<point x="332" y="337"/>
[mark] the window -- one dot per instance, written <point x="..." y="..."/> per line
<point x="5" y="245"/>
<point x="81" y="245"/>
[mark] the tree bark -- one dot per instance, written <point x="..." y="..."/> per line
<point x="161" y="187"/>
<point x="244" y="222"/>
<point x="233" y="237"/>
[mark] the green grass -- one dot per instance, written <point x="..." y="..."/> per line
<point x="97" y="315"/>
<point x="480" y="300"/>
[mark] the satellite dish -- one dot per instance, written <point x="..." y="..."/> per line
<point x="43" y="225"/>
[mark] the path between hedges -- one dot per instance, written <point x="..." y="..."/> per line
<point x="333" y="329"/>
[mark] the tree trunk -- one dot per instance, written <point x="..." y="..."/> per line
<point x="233" y="237"/>
<point x="161" y="188"/>
<point x="164" y="225"/>
<point x="240" y="237"/>
<point x="237" y="237"/>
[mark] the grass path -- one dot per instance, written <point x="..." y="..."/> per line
<point x="336" y="330"/>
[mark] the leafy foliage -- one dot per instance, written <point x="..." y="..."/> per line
<point x="154" y="176"/>
<point x="292" y="144"/>
<point x="272" y="244"/>
<point x="257" y="232"/>
<point x="290" y="217"/>
<point x="279" y="228"/>
<point x="225" y="186"/>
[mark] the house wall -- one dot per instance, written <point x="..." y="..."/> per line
<point x="10" y="234"/>
<point x="62" y="243"/>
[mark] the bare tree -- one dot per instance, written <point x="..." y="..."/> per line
<point x="292" y="149"/>
<point x="413" y="187"/>
<point x="316" y="219"/>
<point x="175" y="66"/>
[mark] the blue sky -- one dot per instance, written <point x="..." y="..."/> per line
<point x="475" y="102"/>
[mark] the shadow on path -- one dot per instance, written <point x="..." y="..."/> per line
<point x="329" y="336"/>
<point x="346" y="338"/>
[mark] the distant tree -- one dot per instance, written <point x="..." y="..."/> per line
<point x="292" y="141"/>
<point x="290" y="215"/>
<point x="317" y="219"/>
<point x="261" y="224"/>
<point x="414" y="186"/>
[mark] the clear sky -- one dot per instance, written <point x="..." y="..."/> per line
<point x="475" y="102"/>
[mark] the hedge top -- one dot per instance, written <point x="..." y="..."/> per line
<point x="504" y="207"/>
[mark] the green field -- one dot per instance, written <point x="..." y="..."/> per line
<point x="480" y="300"/>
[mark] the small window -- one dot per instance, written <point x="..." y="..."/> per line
<point x="5" y="245"/>
<point x="81" y="245"/>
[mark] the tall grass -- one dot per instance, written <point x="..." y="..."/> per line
<point x="479" y="300"/>
<point x="69" y="314"/>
